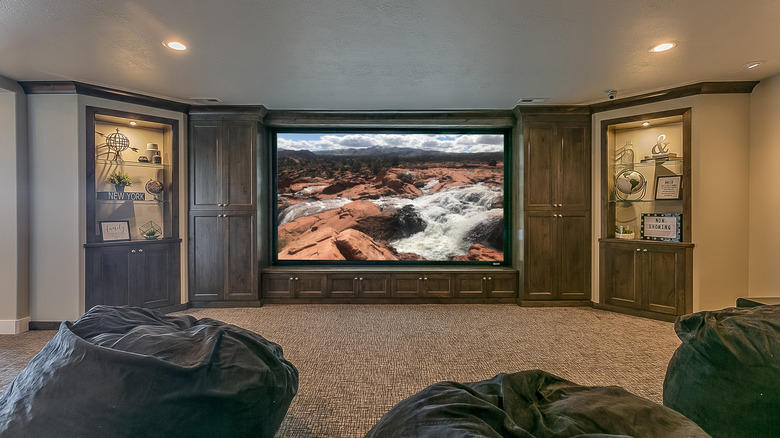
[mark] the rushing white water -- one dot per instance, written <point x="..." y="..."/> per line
<point x="449" y="215"/>
<point x="309" y="208"/>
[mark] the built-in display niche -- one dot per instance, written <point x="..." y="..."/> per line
<point x="646" y="178"/>
<point x="131" y="186"/>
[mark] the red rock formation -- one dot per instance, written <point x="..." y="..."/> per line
<point x="480" y="253"/>
<point x="355" y="245"/>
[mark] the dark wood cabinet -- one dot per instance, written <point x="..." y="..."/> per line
<point x="389" y="284"/>
<point x="557" y="157"/>
<point x="222" y="256"/>
<point x="557" y="256"/>
<point x="646" y="276"/>
<point x="132" y="274"/>
<point x="486" y="284"/>
<point x="223" y="164"/>
<point x="557" y="200"/>
<point x="223" y="208"/>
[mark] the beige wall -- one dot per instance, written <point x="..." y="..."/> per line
<point x="719" y="184"/>
<point x="764" y="271"/>
<point x="57" y="180"/>
<point x="14" y="216"/>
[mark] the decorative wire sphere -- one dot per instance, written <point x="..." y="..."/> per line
<point x="117" y="142"/>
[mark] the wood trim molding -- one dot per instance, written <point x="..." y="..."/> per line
<point x="676" y="93"/>
<point x="72" y="87"/>
<point x="250" y="112"/>
<point x="392" y="119"/>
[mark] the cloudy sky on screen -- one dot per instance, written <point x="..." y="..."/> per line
<point x="455" y="143"/>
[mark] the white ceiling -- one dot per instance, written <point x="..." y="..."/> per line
<point x="388" y="54"/>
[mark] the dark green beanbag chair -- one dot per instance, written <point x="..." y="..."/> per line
<point x="726" y="374"/>
<point x="132" y="372"/>
<point x="530" y="404"/>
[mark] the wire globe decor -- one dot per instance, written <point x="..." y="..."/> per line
<point x="116" y="143"/>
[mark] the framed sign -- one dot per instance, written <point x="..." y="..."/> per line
<point x="112" y="231"/>
<point x="662" y="226"/>
<point x="668" y="187"/>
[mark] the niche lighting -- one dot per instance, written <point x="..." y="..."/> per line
<point x="175" y="45"/>
<point x="752" y="64"/>
<point x="663" y="47"/>
<point x="645" y="124"/>
<point x="133" y="123"/>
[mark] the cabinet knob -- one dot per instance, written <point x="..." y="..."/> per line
<point x="637" y="250"/>
<point x="644" y="250"/>
<point x="132" y="251"/>
<point x="296" y="278"/>
<point x="291" y="279"/>
<point x="490" y="278"/>
<point x="361" y="278"/>
<point x="555" y="214"/>
<point x="355" y="279"/>
<point x="419" y="279"/>
<point x="140" y="250"/>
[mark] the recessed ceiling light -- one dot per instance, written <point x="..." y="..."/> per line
<point x="645" y="123"/>
<point x="753" y="64"/>
<point x="663" y="47"/>
<point x="174" y="45"/>
<point x="133" y="123"/>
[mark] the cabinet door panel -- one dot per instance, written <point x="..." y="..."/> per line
<point x="540" y="258"/>
<point x="239" y="165"/>
<point x="438" y="285"/>
<point x="573" y="267"/>
<point x="207" y="258"/>
<point x="205" y="162"/>
<point x="622" y="276"/>
<point x="573" y="178"/>
<point x="470" y="285"/>
<point x="111" y="276"/>
<point x="407" y="285"/>
<point x="374" y="285"/>
<point x="159" y="270"/>
<point x="502" y="285"/>
<point x="663" y="280"/>
<point x="540" y="171"/>
<point x="240" y="255"/>
<point x="278" y="285"/>
<point x="310" y="285"/>
<point x="343" y="285"/>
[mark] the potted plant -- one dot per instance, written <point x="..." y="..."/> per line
<point x="150" y="234"/>
<point x="119" y="180"/>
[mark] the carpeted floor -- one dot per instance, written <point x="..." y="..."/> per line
<point x="357" y="361"/>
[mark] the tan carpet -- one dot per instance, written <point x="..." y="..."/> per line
<point x="357" y="361"/>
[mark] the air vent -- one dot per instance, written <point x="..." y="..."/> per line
<point x="206" y="100"/>
<point x="527" y="100"/>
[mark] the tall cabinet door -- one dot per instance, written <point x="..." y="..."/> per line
<point x="239" y="165"/>
<point x="540" y="255"/>
<point x="240" y="265"/>
<point x="572" y="181"/>
<point x="572" y="231"/>
<point x="541" y="153"/>
<point x="207" y="266"/>
<point x="159" y="271"/>
<point x="205" y="164"/>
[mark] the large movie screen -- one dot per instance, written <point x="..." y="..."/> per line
<point x="388" y="197"/>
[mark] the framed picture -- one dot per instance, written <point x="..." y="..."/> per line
<point x="662" y="226"/>
<point x="111" y="231"/>
<point x="668" y="187"/>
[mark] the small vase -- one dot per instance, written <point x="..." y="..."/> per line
<point x="119" y="188"/>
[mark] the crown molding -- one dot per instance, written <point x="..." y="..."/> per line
<point x="73" y="87"/>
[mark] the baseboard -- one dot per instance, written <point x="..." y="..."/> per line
<point x="636" y="312"/>
<point x="14" y="326"/>
<point x="555" y="303"/>
<point x="45" y="325"/>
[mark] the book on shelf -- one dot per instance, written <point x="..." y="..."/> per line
<point x="663" y="156"/>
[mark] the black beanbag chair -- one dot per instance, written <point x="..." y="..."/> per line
<point x="132" y="372"/>
<point x="725" y="375"/>
<point x="530" y="404"/>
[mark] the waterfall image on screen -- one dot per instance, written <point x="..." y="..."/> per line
<point x="429" y="197"/>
